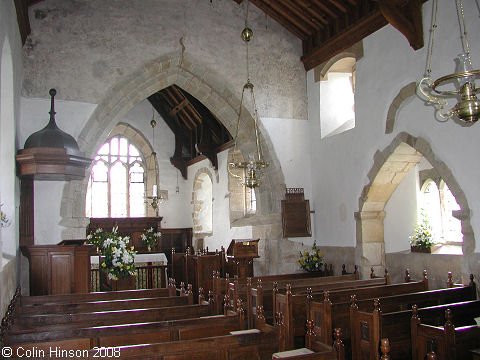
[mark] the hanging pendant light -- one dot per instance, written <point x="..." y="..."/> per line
<point x="467" y="109"/>
<point x="157" y="195"/>
<point x="253" y="168"/>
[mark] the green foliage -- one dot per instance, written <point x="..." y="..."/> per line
<point x="150" y="238"/>
<point x="118" y="259"/>
<point x="311" y="260"/>
<point x="422" y="236"/>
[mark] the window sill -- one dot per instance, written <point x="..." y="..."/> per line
<point x="449" y="249"/>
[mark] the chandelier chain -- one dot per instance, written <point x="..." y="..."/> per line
<point x="239" y="117"/>
<point x="432" y="38"/>
<point x="255" y="121"/>
<point x="246" y="26"/>
<point x="466" y="45"/>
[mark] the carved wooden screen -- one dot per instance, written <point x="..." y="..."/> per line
<point x="296" y="214"/>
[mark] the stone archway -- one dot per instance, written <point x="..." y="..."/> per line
<point x="389" y="168"/>
<point x="160" y="73"/>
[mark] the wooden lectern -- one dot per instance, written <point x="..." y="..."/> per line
<point x="241" y="253"/>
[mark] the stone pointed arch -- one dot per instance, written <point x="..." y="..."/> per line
<point x="389" y="168"/>
<point x="403" y="95"/>
<point x="200" y="81"/>
<point x="356" y="52"/>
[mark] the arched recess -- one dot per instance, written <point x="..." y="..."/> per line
<point x="405" y="93"/>
<point x="389" y="168"/>
<point x="8" y="239"/>
<point x="207" y="87"/>
<point x="356" y="52"/>
<point x="202" y="198"/>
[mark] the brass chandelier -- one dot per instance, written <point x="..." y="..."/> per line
<point x="253" y="168"/>
<point x="467" y="109"/>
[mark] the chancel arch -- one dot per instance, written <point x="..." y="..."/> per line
<point x="204" y="85"/>
<point x="390" y="167"/>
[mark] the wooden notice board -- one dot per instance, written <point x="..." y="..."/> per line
<point x="296" y="214"/>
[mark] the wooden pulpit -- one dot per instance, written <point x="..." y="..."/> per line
<point x="241" y="253"/>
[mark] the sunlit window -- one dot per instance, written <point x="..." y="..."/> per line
<point x="251" y="201"/>
<point x="438" y="205"/>
<point x="337" y="98"/>
<point x="116" y="187"/>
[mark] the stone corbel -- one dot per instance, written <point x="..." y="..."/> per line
<point x="406" y="17"/>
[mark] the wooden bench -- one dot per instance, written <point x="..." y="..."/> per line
<point x="98" y="296"/>
<point x="451" y="336"/>
<point x="59" y="321"/>
<point x="296" y="307"/>
<point x="221" y="285"/>
<point x="250" y="344"/>
<point x="249" y="295"/>
<point x="315" y="350"/>
<point x="269" y="297"/>
<point x="369" y="323"/>
<point x="108" y="305"/>
<point x="121" y="335"/>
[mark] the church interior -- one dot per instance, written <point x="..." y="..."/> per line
<point x="286" y="128"/>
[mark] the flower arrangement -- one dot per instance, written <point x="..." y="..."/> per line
<point x="422" y="237"/>
<point x="118" y="259"/>
<point x="311" y="260"/>
<point x="150" y="238"/>
<point x="4" y="222"/>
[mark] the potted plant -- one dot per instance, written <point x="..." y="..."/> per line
<point x="312" y="260"/>
<point x="150" y="238"/>
<point x="422" y="238"/>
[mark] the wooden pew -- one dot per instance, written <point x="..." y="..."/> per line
<point x="368" y="323"/>
<point x="221" y="285"/>
<point x="450" y="336"/>
<point x="58" y="321"/>
<point x="296" y="307"/>
<point x="108" y="305"/>
<point x="258" y="343"/>
<point x="97" y="296"/>
<point x="121" y="335"/>
<point x="315" y="350"/>
<point x="238" y="290"/>
<point x="268" y="297"/>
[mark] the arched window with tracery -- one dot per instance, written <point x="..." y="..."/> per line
<point x="116" y="187"/>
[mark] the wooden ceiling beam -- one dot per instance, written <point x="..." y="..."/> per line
<point x="280" y="19"/>
<point x="322" y="6"/>
<point x="302" y="14"/>
<point x="179" y="107"/>
<point x="344" y="40"/>
<point x="406" y="19"/>
<point x="288" y="15"/>
<point x="21" y="7"/>
<point x="313" y="10"/>
<point x="339" y="5"/>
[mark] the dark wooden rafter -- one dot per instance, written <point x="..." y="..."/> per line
<point x="328" y="27"/>
<point x="21" y="6"/>
<point x="198" y="133"/>
<point x="406" y="19"/>
<point x="344" y="41"/>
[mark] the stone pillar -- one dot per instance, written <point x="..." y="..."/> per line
<point x="370" y="241"/>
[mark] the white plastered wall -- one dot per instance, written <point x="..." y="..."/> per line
<point x="10" y="86"/>
<point x="341" y="163"/>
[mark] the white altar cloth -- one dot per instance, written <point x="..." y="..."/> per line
<point x="158" y="258"/>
